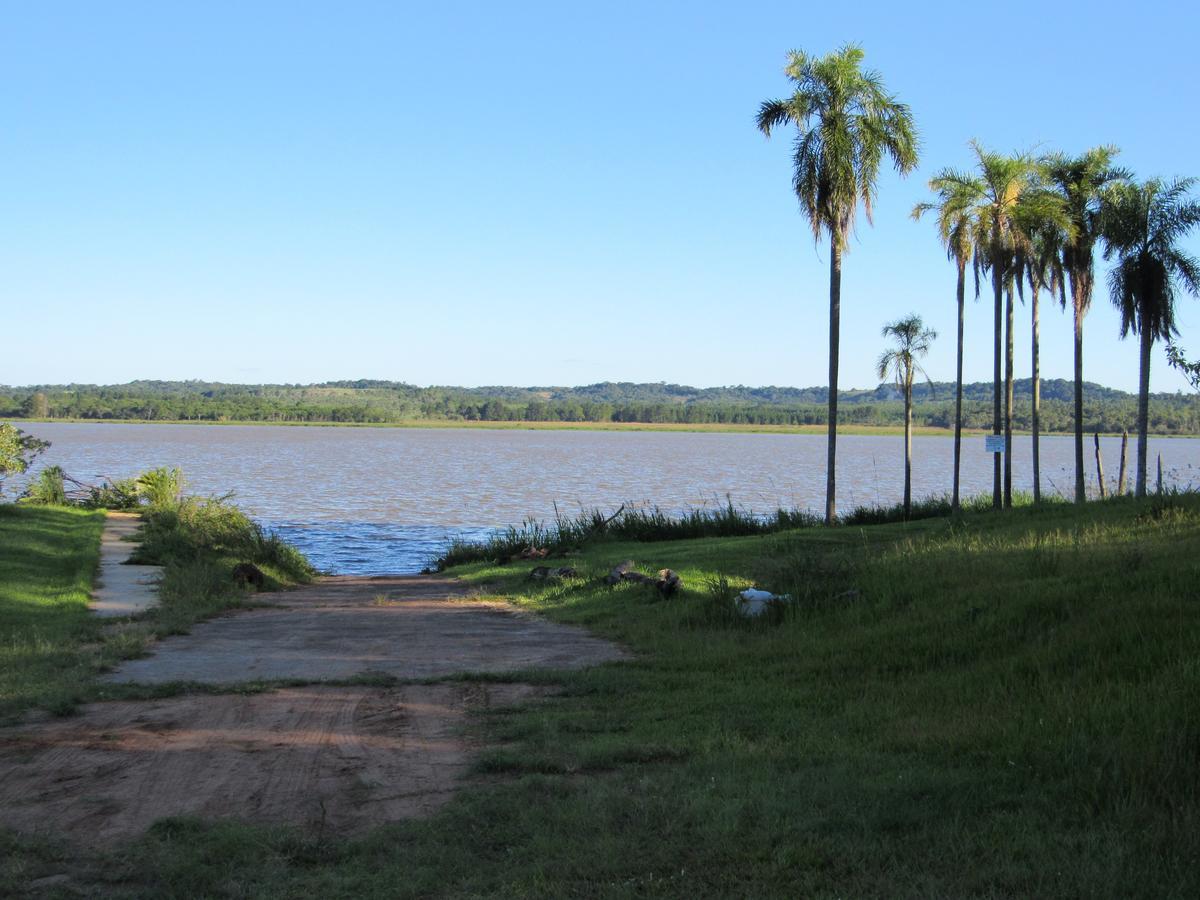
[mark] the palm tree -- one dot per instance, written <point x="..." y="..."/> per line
<point x="1004" y="180"/>
<point x="1082" y="181"/>
<point x="912" y="340"/>
<point x="846" y="122"/>
<point x="1043" y="227"/>
<point x="1041" y="263"/>
<point x="1142" y="226"/>
<point x="957" y="196"/>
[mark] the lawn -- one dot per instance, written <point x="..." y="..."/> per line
<point x="48" y="558"/>
<point x="1004" y="704"/>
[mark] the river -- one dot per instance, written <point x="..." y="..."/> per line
<point x="376" y="500"/>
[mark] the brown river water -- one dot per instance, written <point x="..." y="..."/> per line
<point x="383" y="500"/>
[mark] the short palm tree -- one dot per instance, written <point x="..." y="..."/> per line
<point x="846" y="123"/>
<point x="1142" y="225"/>
<point x="1082" y="180"/>
<point x="957" y="197"/>
<point x="912" y="340"/>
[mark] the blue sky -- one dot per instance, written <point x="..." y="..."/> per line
<point x="522" y="193"/>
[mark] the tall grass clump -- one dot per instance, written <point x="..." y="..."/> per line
<point x="931" y="508"/>
<point x="161" y="486"/>
<point x="48" y="489"/>
<point x="199" y="542"/>
<point x="197" y="529"/>
<point x="569" y="533"/>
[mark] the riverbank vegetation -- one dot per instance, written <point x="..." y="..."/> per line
<point x="619" y="404"/>
<point x="992" y="704"/>
<point x="535" y="539"/>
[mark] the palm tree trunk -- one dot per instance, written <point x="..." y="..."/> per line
<point x="958" y="383"/>
<point x="998" y="292"/>
<point x="835" y="315"/>
<point x="1037" y="403"/>
<point x="908" y="445"/>
<point x="1143" y="423"/>
<point x="1008" y="396"/>
<point x="1080" y="492"/>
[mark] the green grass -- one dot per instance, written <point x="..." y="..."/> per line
<point x="51" y="646"/>
<point x="198" y="542"/>
<point x="48" y="557"/>
<point x="1004" y="704"/>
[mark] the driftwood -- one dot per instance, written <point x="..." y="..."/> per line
<point x="546" y="573"/>
<point x="666" y="583"/>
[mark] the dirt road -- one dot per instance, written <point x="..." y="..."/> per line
<point x="332" y="758"/>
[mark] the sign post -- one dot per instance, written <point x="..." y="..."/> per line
<point x="993" y="443"/>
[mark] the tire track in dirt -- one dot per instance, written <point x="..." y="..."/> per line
<point x="342" y="759"/>
<point x="327" y="758"/>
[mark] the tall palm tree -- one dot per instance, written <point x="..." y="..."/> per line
<point x="1040" y="261"/>
<point x="1042" y="228"/>
<point x="912" y="340"/>
<point x="1004" y="179"/>
<point x="1142" y="225"/>
<point x="1082" y="181"/>
<point x="846" y="122"/>
<point x="957" y="197"/>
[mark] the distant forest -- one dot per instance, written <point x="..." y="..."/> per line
<point x="365" y="401"/>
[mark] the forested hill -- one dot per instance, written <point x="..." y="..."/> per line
<point x="369" y="401"/>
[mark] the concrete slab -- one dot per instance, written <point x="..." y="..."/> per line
<point x="412" y="627"/>
<point x="122" y="590"/>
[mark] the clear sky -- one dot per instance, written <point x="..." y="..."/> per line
<point x="522" y="193"/>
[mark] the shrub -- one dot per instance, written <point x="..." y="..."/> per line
<point x="48" y="489"/>
<point x="161" y="486"/>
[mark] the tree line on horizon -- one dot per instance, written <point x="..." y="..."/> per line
<point x="1106" y="409"/>
<point x="1021" y="221"/>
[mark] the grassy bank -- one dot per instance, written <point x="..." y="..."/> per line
<point x="48" y="557"/>
<point x="1004" y="704"/>
<point x="52" y="647"/>
<point x="199" y="542"/>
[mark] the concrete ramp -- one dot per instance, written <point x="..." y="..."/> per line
<point x="123" y="590"/>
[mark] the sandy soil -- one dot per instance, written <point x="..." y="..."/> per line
<point x="334" y="759"/>
<point x="339" y="760"/>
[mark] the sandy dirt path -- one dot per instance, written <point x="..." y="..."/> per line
<point x="334" y="759"/>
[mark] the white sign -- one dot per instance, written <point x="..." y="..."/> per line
<point x="993" y="443"/>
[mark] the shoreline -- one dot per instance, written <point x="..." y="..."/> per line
<point x="698" y="428"/>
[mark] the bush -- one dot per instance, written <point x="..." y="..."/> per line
<point x="161" y="487"/>
<point x="48" y="489"/>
